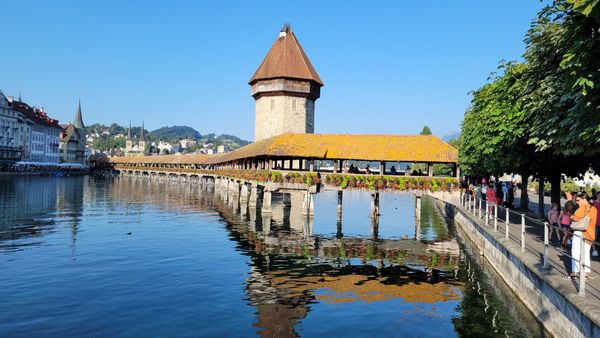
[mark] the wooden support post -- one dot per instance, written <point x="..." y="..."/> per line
<point x="418" y="218"/>
<point x="375" y="227"/>
<point x="429" y="169"/>
<point x="339" y="203"/>
<point x="311" y="165"/>
<point x="381" y="168"/>
<point x="374" y="204"/>
<point x="308" y="207"/>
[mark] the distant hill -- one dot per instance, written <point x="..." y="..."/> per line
<point x="175" y="133"/>
<point x="233" y="141"/>
<point x="452" y="135"/>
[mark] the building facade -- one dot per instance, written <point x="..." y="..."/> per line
<point x="73" y="140"/>
<point x="12" y="132"/>
<point x="285" y="87"/>
<point x="44" y="134"/>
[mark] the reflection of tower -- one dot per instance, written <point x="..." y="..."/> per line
<point x="69" y="202"/>
<point x="285" y="87"/>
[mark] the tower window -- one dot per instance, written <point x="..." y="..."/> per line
<point x="272" y="104"/>
<point x="293" y="104"/>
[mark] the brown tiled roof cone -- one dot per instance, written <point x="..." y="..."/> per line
<point x="286" y="59"/>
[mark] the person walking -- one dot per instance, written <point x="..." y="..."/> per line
<point x="565" y="222"/>
<point x="553" y="218"/>
<point x="589" y="235"/>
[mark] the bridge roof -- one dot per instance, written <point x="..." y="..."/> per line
<point x="391" y="148"/>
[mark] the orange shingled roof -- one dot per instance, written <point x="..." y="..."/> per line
<point x="286" y="59"/>
<point x="391" y="148"/>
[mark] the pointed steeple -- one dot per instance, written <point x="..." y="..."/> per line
<point x="129" y="131"/>
<point x="78" y="122"/>
<point x="20" y="100"/>
<point x="286" y="59"/>
<point x="142" y="137"/>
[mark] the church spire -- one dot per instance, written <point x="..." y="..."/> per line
<point x="143" y="138"/>
<point x="129" y="131"/>
<point x="78" y="122"/>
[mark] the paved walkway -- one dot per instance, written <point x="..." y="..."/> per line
<point x="559" y="261"/>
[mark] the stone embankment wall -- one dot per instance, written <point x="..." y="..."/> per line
<point x="523" y="273"/>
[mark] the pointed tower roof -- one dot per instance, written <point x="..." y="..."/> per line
<point x="286" y="59"/>
<point x="78" y="122"/>
<point x="129" y="131"/>
<point x="142" y="137"/>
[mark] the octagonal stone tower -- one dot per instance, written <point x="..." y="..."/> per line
<point x="285" y="87"/>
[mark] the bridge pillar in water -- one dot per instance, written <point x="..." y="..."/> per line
<point x="418" y="217"/>
<point x="308" y="205"/>
<point x="375" y="204"/>
<point x="266" y="203"/>
<point x="253" y="196"/>
<point x="375" y="227"/>
<point x="244" y="193"/>
<point x="339" y="234"/>
<point x="340" y="194"/>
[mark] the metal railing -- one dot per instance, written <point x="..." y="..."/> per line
<point x="529" y="237"/>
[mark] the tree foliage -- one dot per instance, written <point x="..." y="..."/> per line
<point x="541" y="116"/>
<point x="494" y="129"/>
<point x="425" y="131"/>
<point x="563" y="54"/>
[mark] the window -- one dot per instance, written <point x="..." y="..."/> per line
<point x="293" y="104"/>
<point x="272" y="104"/>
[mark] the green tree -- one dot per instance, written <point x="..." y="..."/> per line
<point x="425" y="131"/>
<point x="563" y="48"/>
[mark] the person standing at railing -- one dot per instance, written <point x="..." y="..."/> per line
<point x="597" y="206"/>
<point x="553" y="214"/>
<point x="585" y="209"/>
<point x="491" y="199"/>
<point x="499" y="195"/>
<point x="565" y="221"/>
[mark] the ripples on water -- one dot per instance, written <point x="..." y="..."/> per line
<point x="82" y="257"/>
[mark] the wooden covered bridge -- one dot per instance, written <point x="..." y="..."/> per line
<point x="296" y="162"/>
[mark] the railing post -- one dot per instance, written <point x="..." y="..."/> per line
<point x="506" y="229"/>
<point x="581" y="265"/>
<point x="522" y="232"/>
<point x="495" y="217"/>
<point x="486" y="213"/>
<point x="545" y="257"/>
<point x="479" y="208"/>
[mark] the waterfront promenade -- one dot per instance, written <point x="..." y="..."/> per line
<point x="523" y="241"/>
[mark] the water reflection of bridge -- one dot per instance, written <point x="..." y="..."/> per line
<point x="293" y="268"/>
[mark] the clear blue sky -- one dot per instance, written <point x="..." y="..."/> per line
<point x="388" y="67"/>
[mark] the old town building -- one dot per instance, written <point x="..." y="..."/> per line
<point x="72" y="140"/>
<point x="14" y="132"/>
<point x="44" y="133"/>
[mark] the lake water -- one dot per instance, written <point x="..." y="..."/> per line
<point x="128" y="257"/>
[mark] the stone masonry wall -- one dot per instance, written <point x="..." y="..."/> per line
<point x="276" y="115"/>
